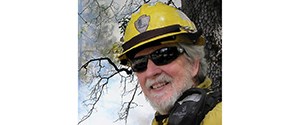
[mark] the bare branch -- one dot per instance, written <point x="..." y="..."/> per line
<point x="169" y="2"/>
<point x="146" y="1"/>
<point x="97" y="89"/>
<point x="95" y="96"/>
<point x="84" y="8"/>
<point x="126" y="106"/>
<point x="82" y="18"/>
<point x="129" y="72"/>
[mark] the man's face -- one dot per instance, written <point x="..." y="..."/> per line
<point x="162" y="85"/>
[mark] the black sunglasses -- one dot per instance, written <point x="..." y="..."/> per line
<point x="159" y="57"/>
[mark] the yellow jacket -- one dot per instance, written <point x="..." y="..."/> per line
<point x="213" y="117"/>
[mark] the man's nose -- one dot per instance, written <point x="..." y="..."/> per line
<point x="152" y="69"/>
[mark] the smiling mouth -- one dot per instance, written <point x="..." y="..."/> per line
<point x="159" y="85"/>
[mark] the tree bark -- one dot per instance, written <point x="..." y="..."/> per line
<point x="207" y="16"/>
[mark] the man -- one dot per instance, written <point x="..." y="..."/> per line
<point x="164" y="49"/>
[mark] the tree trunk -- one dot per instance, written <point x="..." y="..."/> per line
<point x="207" y="16"/>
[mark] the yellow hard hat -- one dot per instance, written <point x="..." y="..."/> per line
<point x="152" y="23"/>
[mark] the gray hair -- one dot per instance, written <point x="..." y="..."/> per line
<point x="194" y="52"/>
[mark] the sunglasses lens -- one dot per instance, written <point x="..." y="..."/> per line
<point x="165" y="55"/>
<point x="139" y="64"/>
<point x="159" y="57"/>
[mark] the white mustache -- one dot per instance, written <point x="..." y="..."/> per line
<point x="160" y="79"/>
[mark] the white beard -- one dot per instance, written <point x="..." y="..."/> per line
<point x="163" y="106"/>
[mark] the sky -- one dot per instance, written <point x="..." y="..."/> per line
<point x="109" y="105"/>
<point x="38" y="50"/>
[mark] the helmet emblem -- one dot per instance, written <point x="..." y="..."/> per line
<point x="142" y="23"/>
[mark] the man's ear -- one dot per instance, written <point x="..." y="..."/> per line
<point x="195" y="67"/>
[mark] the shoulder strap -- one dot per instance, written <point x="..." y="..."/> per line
<point x="213" y="98"/>
<point x="192" y="106"/>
